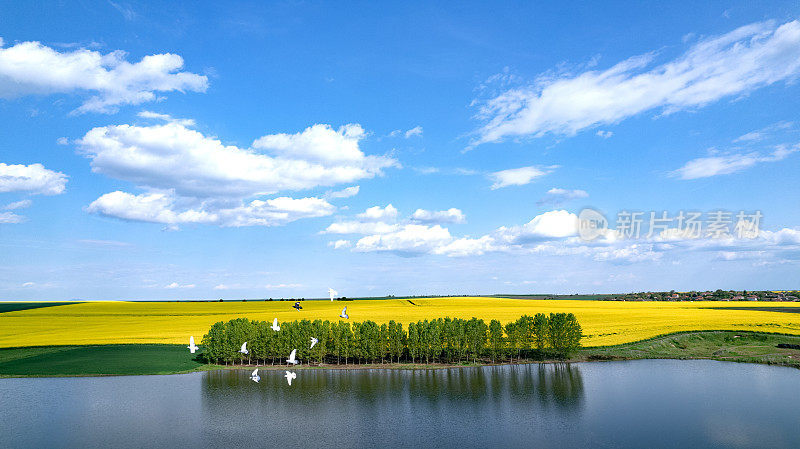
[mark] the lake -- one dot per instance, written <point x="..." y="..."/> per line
<point x="646" y="403"/>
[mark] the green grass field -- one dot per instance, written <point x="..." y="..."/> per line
<point x="751" y="347"/>
<point x="96" y="360"/>
<point x="16" y="306"/>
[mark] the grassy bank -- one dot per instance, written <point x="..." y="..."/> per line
<point x="100" y="360"/>
<point x="97" y="360"/>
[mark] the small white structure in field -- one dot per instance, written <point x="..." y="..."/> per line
<point x="332" y="292"/>
<point x="275" y="326"/>
<point x="254" y="376"/>
<point x="344" y="313"/>
<point x="289" y="376"/>
<point x="192" y="347"/>
<point x="292" y="358"/>
<point x="244" y="348"/>
<point x="313" y="342"/>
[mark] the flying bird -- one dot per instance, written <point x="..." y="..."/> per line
<point x="332" y="292"/>
<point x="344" y="313"/>
<point x="297" y="306"/>
<point x="289" y="376"/>
<point x="313" y="342"/>
<point x="292" y="358"/>
<point x="254" y="376"/>
<point x="244" y="348"/>
<point x="192" y="347"/>
<point x="275" y="326"/>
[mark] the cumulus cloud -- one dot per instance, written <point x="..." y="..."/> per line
<point x="557" y="196"/>
<point x="410" y="238"/>
<point x="193" y="178"/>
<point x="604" y="134"/>
<point x="163" y="208"/>
<point x="552" y="224"/>
<point x="732" y="64"/>
<point x="705" y="167"/>
<point x="172" y="156"/>
<point x="377" y="213"/>
<point x="340" y="244"/>
<point x="555" y="233"/>
<point x="451" y="215"/>
<point x="518" y="176"/>
<point x="31" y="68"/>
<point x="33" y="179"/>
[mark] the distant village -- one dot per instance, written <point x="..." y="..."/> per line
<point x="717" y="295"/>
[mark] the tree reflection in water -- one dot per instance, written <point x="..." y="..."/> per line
<point x="536" y="385"/>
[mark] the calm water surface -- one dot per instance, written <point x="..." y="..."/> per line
<point x="648" y="403"/>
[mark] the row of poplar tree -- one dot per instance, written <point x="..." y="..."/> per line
<point x="443" y="340"/>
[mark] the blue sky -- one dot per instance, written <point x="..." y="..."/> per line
<point x="230" y="150"/>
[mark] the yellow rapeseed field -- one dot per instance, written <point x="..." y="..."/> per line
<point x="603" y="322"/>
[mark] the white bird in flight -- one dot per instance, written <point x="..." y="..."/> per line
<point x="289" y="376"/>
<point x="344" y="313"/>
<point x="244" y="348"/>
<point x="275" y="326"/>
<point x="313" y="342"/>
<point x="291" y="358"/>
<point x="254" y="376"/>
<point x="332" y="292"/>
<point x="192" y="347"/>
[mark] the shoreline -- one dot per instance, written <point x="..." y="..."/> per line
<point x="143" y="359"/>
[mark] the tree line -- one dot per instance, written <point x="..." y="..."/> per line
<point x="440" y="340"/>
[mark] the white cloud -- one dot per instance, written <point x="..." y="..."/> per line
<point x="604" y="134"/>
<point x="360" y="227"/>
<point x="518" y="176"/>
<point x="415" y="131"/>
<point x="705" y="167"/>
<point x="166" y="118"/>
<point x="467" y="247"/>
<point x="553" y="224"/>
<point x="62" y="141"/>
<point x="172" y="156"/>
<point x="193" y="178"/>
<point x="30" y="68"/>
<point x="11" y="218"/>
<point x="451" y="215"/>
<point x="344" y="193"/>
<point x="18" y="205"/>
<point x="763" y="133"/>
<point x="557" y="196"/>
<point x="33" y="179"/>
<point x="554" y="233"/>
<point x="177" y="285"/>
<point x="163" y="208"/>
<point x="338" y="244"/>
<point x="736" y="63"/>
<point x="410" y="238"/>
<point x="377" y="213"/>
<point x="317" y="143"/>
